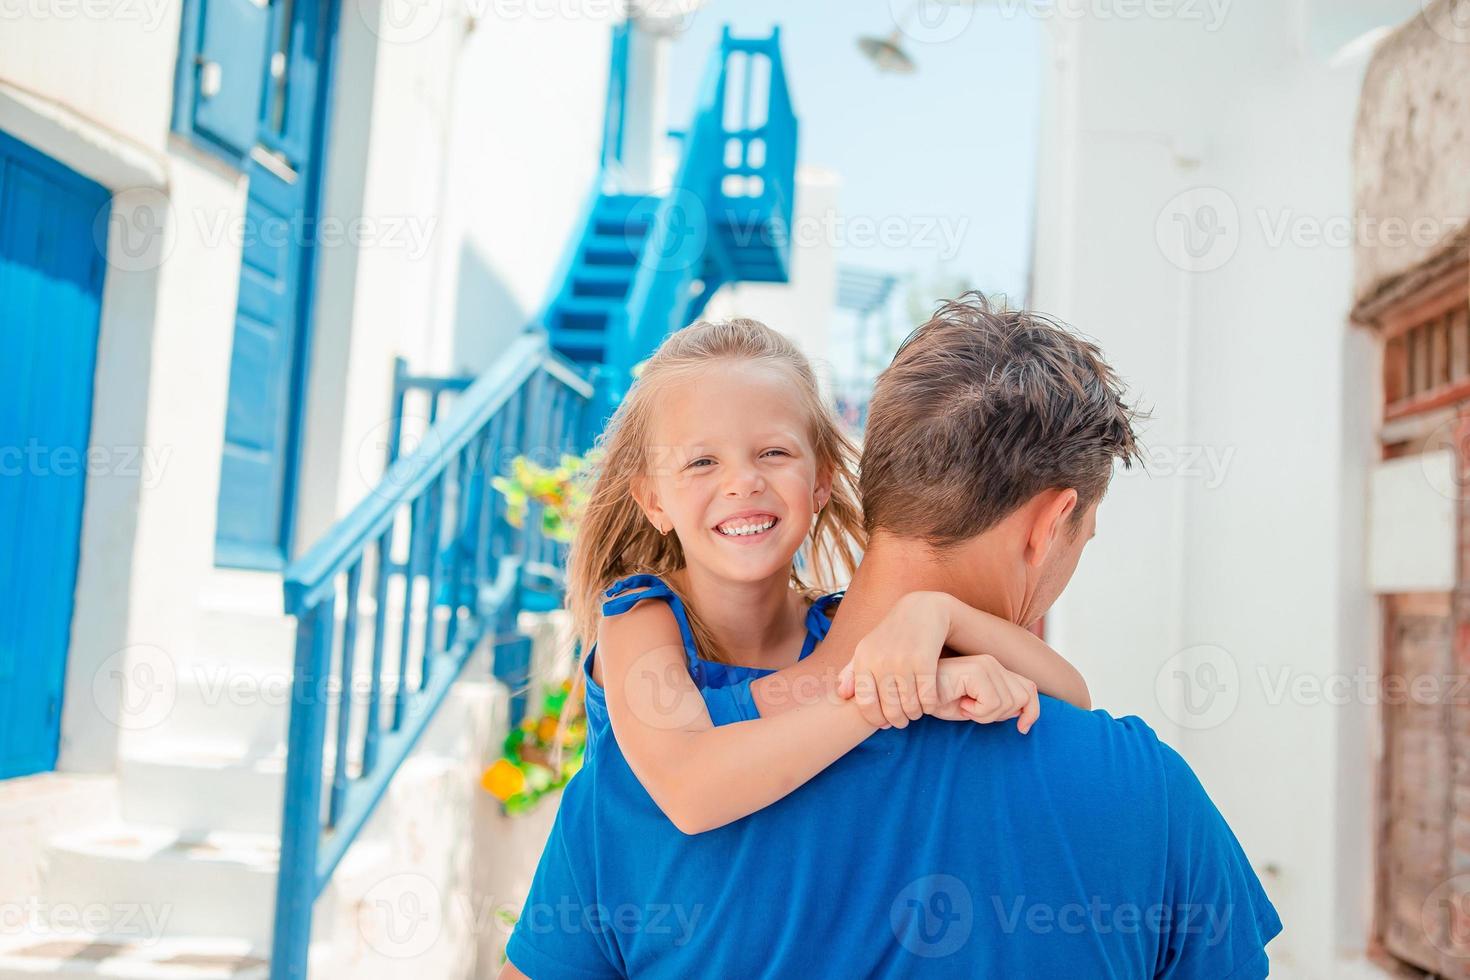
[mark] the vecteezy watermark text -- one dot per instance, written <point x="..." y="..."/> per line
<point x="1210" y="14"/>
<point x="1102" y="918"/>
<point x="37" y="459"/>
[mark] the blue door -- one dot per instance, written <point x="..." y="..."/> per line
<point x="50" y="301"/>
<point x="268" y="361"/>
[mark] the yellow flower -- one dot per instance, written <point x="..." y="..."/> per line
<point x="503" y="780"/>
<point x="546" y="731"/>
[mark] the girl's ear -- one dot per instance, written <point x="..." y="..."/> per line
<point x="823" y="490"/>
<point x="647" y="500"/>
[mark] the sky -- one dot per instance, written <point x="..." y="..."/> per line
<point x="946" y="154"/>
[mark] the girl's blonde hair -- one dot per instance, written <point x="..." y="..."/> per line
<point x="614" y="539"/>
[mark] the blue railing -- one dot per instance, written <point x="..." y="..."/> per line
<point x="431" y="542"/>
<point x="543" y="571"/>
<point x="758" y="155"/>
<point x="614" y="118"/>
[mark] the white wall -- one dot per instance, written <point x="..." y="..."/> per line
<point x="1237" y="561"/>
<point x="481" y="138"/>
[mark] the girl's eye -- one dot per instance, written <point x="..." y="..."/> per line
<point x="702" y="461"/>
<point x="778" y="452"/>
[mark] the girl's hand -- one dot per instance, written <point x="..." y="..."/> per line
<point x="980" y="689"/>
<point x="893" y="674"/>
<point x="898" y="673"/>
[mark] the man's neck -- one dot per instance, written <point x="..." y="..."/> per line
<point x="890" y="569"/>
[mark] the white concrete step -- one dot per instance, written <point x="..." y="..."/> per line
<point x="197" y="791"/>
<point x="218" y="884"/>
<point x="35" y="808"/>
<point x="190" y="849"/>
<point x="241" y="619"/>
<point x="50" y="952"/>
<point x="196" y="784"/>
<point x="268" y="639"/>
<point x="67" y="954"/>
<point x="231" y="695"/>
<point x="237" y="635"/>
<point x="221" y="707"/>
<point x="241" y="708"/>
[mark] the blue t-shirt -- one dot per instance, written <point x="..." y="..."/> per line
<point x="1084" y="849"/>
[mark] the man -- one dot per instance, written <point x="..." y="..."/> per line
<point x="1084" y="849"/>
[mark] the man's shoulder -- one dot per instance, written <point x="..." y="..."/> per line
<point x="1093" y="755"/>
<point x="1099" y="729"/>
<point x="1119" y="740"/>
<point x="1072" y="749"/>
<point x="1095" y="735"/>
<point x="1095" y="720"/>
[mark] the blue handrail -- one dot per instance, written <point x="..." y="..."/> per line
<point x="615" y="114"/>
<point x="431" y="521"/>
<point x="544" y="568"/>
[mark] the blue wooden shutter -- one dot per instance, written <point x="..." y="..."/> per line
<point x="233" y="47"/>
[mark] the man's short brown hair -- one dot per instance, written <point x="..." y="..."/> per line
<point x="982" y="409"/>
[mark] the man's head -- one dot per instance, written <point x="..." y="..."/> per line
<point x="990" y="439"/>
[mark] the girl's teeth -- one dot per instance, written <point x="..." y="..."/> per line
<point x="746" y="529"/>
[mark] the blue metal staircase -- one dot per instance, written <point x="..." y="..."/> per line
<point x="643" y="265"/>
<point x="640" y="266"/>
<point x="593" y="300"/>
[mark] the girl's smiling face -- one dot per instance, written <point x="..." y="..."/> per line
<point x="732" y="471"/>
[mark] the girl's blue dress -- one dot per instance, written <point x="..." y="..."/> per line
<point x="625" y="593"/>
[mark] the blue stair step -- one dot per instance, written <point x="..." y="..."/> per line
<point x="602" y="281"/>
<point x="582" y="314"/>
<point x="621" y="205"/>
<point x="579" y="344"/>
<point x="620" y="223"/>
<point x="611" y="250"/>
<point x="630" y="226"/>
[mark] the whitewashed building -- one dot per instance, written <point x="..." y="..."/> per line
<point x="1219" y="197"/>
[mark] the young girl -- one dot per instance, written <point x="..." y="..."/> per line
<point x="723" y="496"/>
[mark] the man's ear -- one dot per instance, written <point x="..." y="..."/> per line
<point x="647" y="499"/>
<point x="1054" y="508"/>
